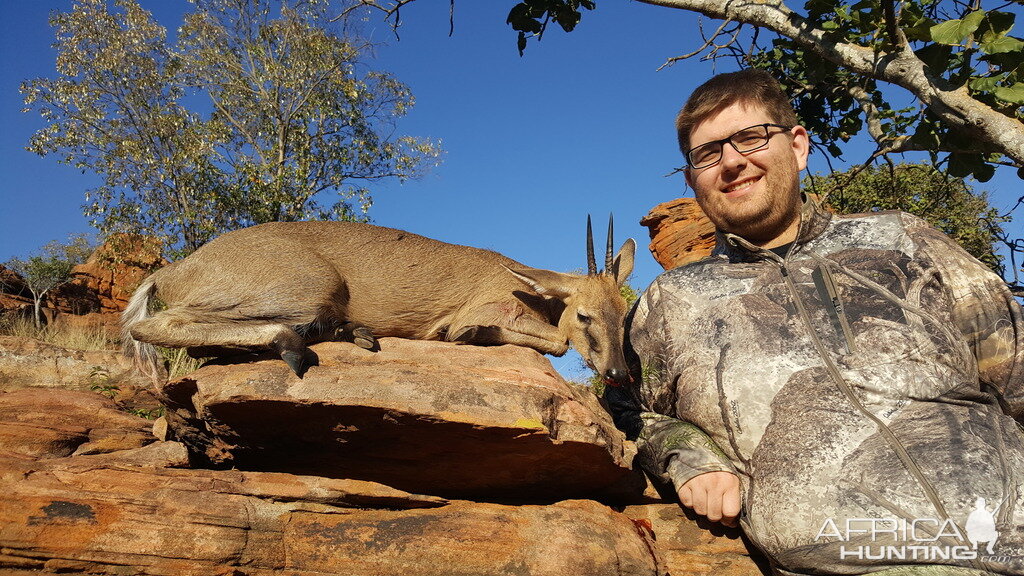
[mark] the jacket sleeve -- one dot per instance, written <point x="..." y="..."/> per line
<point x="984" y="311"/>
<point x="669" y="449"/>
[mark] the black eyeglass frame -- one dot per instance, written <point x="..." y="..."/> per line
<point x="728" y="140"/>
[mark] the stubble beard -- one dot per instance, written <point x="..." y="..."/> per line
<point x="766" y="218"/>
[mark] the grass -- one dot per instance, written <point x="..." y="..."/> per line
<point x="179" y="362"/>
<point x="91" y="338"/>
<point x="63" y="335"/>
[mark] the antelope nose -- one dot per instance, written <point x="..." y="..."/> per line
<point x="615" y="375"/>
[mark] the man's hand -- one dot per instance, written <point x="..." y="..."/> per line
<point x="713" y="494"/>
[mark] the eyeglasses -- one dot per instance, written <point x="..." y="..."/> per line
<point x="744" y="141"/>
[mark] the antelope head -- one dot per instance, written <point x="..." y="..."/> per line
<point x="595" y="309"/>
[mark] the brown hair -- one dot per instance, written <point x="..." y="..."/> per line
<point x="750" y="86"/>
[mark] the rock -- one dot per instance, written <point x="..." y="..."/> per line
<point x="105" y="282"/>
<point x="41" y="423"/>
<point x="680" y="232"/>
<point x="14" y="293"/>
<point x="25" y="362"/>
<point x="692" y="545"/>
<point x="91" y="514"/>
<point x="493" y="424"/>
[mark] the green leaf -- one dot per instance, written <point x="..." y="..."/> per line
<point x="919" y="30"/>
<point x="962" y="165"/>
<point x="1014" y="94"/>
<point x="986" y="84"/>
<point x="829" y="25"/>
<point x="1002" y="45"/>
<point x="996" y="24"/>
<point x="984" y="172"/>
<point x="936" y="57"/>
<point x="954" y="32"/>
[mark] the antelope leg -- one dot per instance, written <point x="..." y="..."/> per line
<point x="181" y="328"/>
<point x="495" y="335"/>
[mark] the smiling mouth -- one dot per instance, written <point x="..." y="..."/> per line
<point x="740" y="186"/>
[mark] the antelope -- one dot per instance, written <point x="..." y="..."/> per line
<point x="282" y="285"/>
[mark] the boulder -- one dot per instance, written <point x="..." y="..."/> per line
<point x="691" y="545"/>
<point x="109" y="514"/>
<point x="41" y="423"/>
<point x="493" y="424"/>
<point x="680" y="232"/>
<point x="105" y="282"/>
<point x="15" y="298"/>
<point x="25" y="362"/>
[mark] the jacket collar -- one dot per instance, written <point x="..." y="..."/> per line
<point x="813" y="221"/>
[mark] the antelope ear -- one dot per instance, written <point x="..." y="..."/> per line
<point x="622" y="266"/>
<point x="544" y="282"/>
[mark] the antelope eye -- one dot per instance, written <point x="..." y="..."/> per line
<point x="583" y="318"/>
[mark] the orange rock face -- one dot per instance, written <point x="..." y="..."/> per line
<point x="680" y="232"/>
<point x="86" y="489"/>
<point x="495" y="423"/>
<point x="105" y="282"/>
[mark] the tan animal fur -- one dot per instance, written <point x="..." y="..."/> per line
<point x="283" y="285"/>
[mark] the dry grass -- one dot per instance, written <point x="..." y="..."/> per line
<point x="179" y="362"/>
<point x="63" y="335"/>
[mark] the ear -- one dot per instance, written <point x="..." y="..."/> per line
<point x="545" y="282"/>
<point x="688" y="174"/>
<point x="622" y="266"/>
<point x="801" y="146"/>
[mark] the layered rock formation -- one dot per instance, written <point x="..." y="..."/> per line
<point x="426" y="458"/>
<point x="680" y="232"/>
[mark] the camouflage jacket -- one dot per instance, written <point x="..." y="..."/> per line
<point x="864" y="389"/>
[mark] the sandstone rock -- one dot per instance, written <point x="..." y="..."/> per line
<point x="14" y="293"/>
<point x="25" y="362"/>
<point x="12" y="284"/>
<point x="91" y="514"/>
<point x="692" y="545"/>
<point x="41" y="423"/>
<point x="105" y="282"/>
<point x="494" y="424"/>
<point x="680" y="232"/>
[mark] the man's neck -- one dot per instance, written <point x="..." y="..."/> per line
<point x="786" y="237"/>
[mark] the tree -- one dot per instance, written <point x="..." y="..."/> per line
<point x="51" y="268"/>
<point x="247" y="118"/>
<point x="946" y="202"/>
<point x="955" y="58"/>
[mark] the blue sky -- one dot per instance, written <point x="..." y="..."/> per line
<point x="581" y="124"/>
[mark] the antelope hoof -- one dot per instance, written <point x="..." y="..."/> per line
<point x="299" y="362"/>
<point x="357" y="334"/>
<point x="363" y="337"/>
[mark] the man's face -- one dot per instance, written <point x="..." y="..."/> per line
<point x="754" y="195"/>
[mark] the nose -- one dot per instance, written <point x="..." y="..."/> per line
<point x="731" y="159"/>
<point x="615" y="376"/>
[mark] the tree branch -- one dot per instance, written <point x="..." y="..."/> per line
<point x="901" y="67"/>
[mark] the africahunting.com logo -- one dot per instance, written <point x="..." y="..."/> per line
<point x="921" y="539"/>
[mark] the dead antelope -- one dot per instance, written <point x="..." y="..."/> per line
<point x="283" y="285"/>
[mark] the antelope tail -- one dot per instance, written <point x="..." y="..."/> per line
<point x="144" y="356"/>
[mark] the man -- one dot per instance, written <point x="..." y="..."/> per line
<point x="844" y="386"/>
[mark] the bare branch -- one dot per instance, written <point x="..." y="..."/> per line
<point x="708" y="41"/>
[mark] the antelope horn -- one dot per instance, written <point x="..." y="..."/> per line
<point x="608" y="252"/>
<point x="591" y="264"/>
